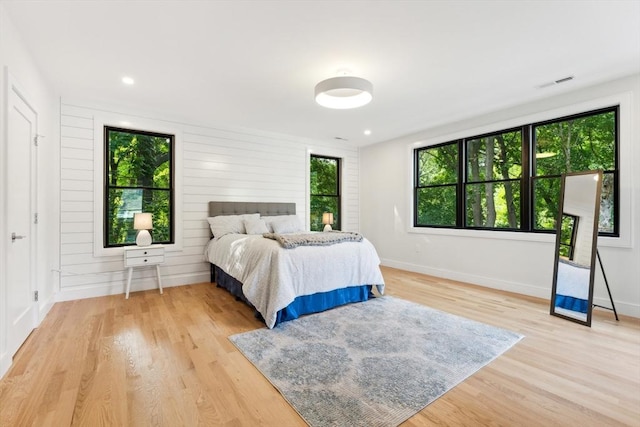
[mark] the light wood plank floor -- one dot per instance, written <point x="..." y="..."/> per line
<point x="164" y="360"/>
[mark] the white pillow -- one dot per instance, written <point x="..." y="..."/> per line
<point x="255" y="226"/>
<point x="288" y="224"/>
<point x="269" y="220"/>
<point x="222" y="225"/>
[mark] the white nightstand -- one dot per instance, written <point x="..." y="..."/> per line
<point x="142" y="256"/>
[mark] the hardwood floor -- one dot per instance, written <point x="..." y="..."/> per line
<point x="165" y="360"/>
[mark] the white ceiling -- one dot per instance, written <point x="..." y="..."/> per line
<point x="254" y="64"/>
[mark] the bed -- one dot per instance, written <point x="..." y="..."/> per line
<point x="284" y="284"/>
<point x="572" y="288"/>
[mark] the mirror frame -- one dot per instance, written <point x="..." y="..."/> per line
<point x="594" y="245"/>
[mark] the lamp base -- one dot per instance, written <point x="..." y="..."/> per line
<point x="143" y="238"/>
<point x="327" y="227"/>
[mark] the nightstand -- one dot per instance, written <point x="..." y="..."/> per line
<point x="142" y="256"/>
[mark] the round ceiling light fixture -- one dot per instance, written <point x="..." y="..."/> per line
<point x="344" y="92"/>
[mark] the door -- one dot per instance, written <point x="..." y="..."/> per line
<point x="21" y="202"/>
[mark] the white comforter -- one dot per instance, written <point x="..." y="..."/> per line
<point x="273" y="277"/>
<point x="573" y="280"/>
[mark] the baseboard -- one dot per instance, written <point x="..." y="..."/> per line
<point x="92" y="291"/>
<point x="488" y="282"/>
<point x="44" y="308"/>
<point x="622" y="307"/>
<point x="5" y="363"/>
<point x="6" y="359"/>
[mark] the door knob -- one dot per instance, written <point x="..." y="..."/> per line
<point x="15" y="237"/>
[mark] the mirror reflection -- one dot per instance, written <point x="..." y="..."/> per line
<point x="576" y="240"/>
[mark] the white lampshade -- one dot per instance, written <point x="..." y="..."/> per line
<point x="327" y="220"/>
<point x="344" y="92"/>
<point x="143" y="222"/>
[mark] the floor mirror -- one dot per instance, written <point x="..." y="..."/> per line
<point x="576" y="246"/>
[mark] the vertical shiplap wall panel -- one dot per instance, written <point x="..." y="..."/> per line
<point x="218" y="164"/>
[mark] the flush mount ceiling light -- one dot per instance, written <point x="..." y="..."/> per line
<point x="128" y="80"/>
<point x="344" y="92"/>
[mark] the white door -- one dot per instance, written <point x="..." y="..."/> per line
<point x="21" y="239"/>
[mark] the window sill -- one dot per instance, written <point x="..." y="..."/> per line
<point x="617" y="242"/>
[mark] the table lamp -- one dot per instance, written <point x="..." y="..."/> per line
<point x="327" y="220"/>
<point x="143" y="223"/>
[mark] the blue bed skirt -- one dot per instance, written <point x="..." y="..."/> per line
<point x="302" y="305"/>
<point x="571" y="303"/>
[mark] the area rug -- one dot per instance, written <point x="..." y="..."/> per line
<point x="374" y="363"/>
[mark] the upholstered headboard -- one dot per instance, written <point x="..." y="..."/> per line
<point x="263" y="208"/>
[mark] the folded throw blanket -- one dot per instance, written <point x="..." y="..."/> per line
<point x="290" y="241"/>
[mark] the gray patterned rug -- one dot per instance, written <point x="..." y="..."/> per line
<point x="374" y="363"/>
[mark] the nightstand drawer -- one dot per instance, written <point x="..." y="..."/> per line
<point x="146" y="252"/>
<point x="143" y="260"/>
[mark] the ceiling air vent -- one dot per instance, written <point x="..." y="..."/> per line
<point x="556" y="82"/>
<point x="566" y="79"/>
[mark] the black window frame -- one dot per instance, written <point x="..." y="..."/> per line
<point x="467" y="182"/>
<point x="107" y="186"/>
<point x="458" y="185"/>
<point x="572" y="239"/>
<point x="615" y="171"/>
<point x="337" y="215"/>
<point x="527" y="179"/>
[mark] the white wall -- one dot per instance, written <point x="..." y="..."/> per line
<point x="518" y="262"/>
<point x="214" y="163"/>
<point x="16" y="60"/>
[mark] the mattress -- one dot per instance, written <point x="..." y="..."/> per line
<point x="272" y="278"/>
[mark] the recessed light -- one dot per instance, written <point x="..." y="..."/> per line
<point x="367" y="132"/>
<point x="128" y="80"/>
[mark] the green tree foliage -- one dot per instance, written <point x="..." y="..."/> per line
<point x="437" y="177"/>
<point x="494" y="169"/>
<point x="575" y="145"/>
<point x="567" y="236"/>
<point x="437" y="205"/>
<point x="324" y="190"/>
<point x="138" y="180"/>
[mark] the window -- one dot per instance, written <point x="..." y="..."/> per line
<point x="496" y="189"/>
<point x="568" y="231"/>
<point x="437" y="185"/>
<point x="138" y="178"/>
<point x="578" y="143"/>
<point x="325" y="191"/>
<point x="492" y="188"/>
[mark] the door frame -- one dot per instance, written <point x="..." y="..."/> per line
<point x="11" y="87"/>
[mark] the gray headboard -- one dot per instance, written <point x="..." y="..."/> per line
<point x="263" y="208"/>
